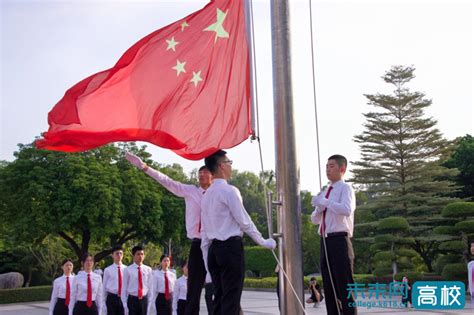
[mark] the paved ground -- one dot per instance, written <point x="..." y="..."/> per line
<point x="253" y="302"/>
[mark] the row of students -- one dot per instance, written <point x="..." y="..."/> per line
<point x="132" y="290"/>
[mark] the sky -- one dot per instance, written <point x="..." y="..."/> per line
<point x="48" y="46"/>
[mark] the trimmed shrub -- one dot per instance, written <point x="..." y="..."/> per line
<point x="30" y="294"/>
<point x="454" y="272"/>
<point x="458" y="210"/>
<point x="442" y="261"/>
<point x="445" y="230"/>
<point x="260" y="261"/>
<point x="465" y="226"/>
<point x="393" y="224"/>
<point x="452" y="246"/>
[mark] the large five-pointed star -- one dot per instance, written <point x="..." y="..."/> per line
<point x="179" y="67"/>
<point x="196" y="78"/>
<point x="171" y="44"/>
<point x="217" y="27"/>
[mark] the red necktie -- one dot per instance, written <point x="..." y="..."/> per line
<point x="140" y="284"/>
<point x="323" y="224"/>
<point x="119" y="292"/>
<point x="89" y="291"/>
<point x="167" y="287"/>
<point x="68" y="292"/>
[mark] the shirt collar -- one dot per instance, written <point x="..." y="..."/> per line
<point x="339" y="182"/>
<point x="219" y="181"/>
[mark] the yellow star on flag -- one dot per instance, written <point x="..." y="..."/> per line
<point x="217" y="27"/>
<point x="196" y="78"/>
<point x="171" y="44"/>
<point x="179" y="67"/>
<point x="183" y="25"/>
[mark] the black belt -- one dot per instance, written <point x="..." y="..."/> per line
<point x="113" y="294"/>
<point x="232" y="238"/>
<point x="337" y="234"/>
<point x="196" y="239"/>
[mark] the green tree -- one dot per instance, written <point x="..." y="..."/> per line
<point x="390" y="244"/>
<point x="463" y="159"/>
<point x="458" y="230"/>
<point x="94" y="197"/>
<point x="401" y="152"/>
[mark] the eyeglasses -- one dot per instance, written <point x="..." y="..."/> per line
<point x="228" y="162"/>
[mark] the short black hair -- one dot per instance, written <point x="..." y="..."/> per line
<point x="85" y="256"/>
<point x="116" y="248"/>
<point x="136" y="249"/>
<point x="341" y="160"/>
<point x="204" y="167"/>
<point x="67" y="260"/>
<point x="313" y="279"/>
<point x="184" y="263"/>
<point x="213" y="160"/>
<point x="163" y="257"/>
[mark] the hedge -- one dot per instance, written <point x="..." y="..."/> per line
<point x="39" y="293"/>
<point x="260" y="261"/>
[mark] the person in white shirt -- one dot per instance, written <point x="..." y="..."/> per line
<point x="86" y="290"/>
<point x="136" y="284"/>
<point x="470" y="274"/>
<point x="161" y="291"/>
<point x="180" y="290"/>
<point x="334" y="213"/>
<point x="113" y="284"/>
<point x="192" y="197"/>
<point x="224" y="220"/>
<point x="61" y="295"/>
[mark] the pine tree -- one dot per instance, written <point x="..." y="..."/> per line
<point x="400" y="168"/>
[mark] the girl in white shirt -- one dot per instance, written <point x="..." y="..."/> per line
<point x="61" y="295"/>
<point x="86" y="290"/>
<point x="180" y="290"/>
<point x="162" y="287"/>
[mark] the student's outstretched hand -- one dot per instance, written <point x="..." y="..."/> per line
<point x="134" y="160"/>
<point x="269" y="243"/>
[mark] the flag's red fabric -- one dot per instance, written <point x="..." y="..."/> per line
<point x="185" y="87"/>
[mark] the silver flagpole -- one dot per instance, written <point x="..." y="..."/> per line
<point x="287" y="165"/>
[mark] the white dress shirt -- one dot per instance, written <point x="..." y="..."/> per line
<point x="130" y="282"/>
<point x="59" y="291"/>
<point x="179" y="292"/>
<point x="470" y="275"/>
<point x="192" y="198"/>
<point x="110" y="283"/>
<point x="224" y="216"/>
<point x="79" y="290"/>
<point x="158" y="286"/>
<point x="340" y="205"/>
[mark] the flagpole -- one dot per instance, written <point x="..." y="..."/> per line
<point x="287" y="164"/>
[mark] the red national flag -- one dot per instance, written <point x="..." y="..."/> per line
<point x="185" y="87"/>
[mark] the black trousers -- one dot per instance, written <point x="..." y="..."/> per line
<point x="227" y="267"/>
<point x="114" y="304"/>
<point x="60" y="308"/>
<point x="341" y="262"/>
<point x="196" y="278"/>
<point x="181" y="307"/>
<point x="137" y="306"/>
<point x="209" y="289"/>
<point x="80" y="308"/>
<point x="163" y="306"/>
